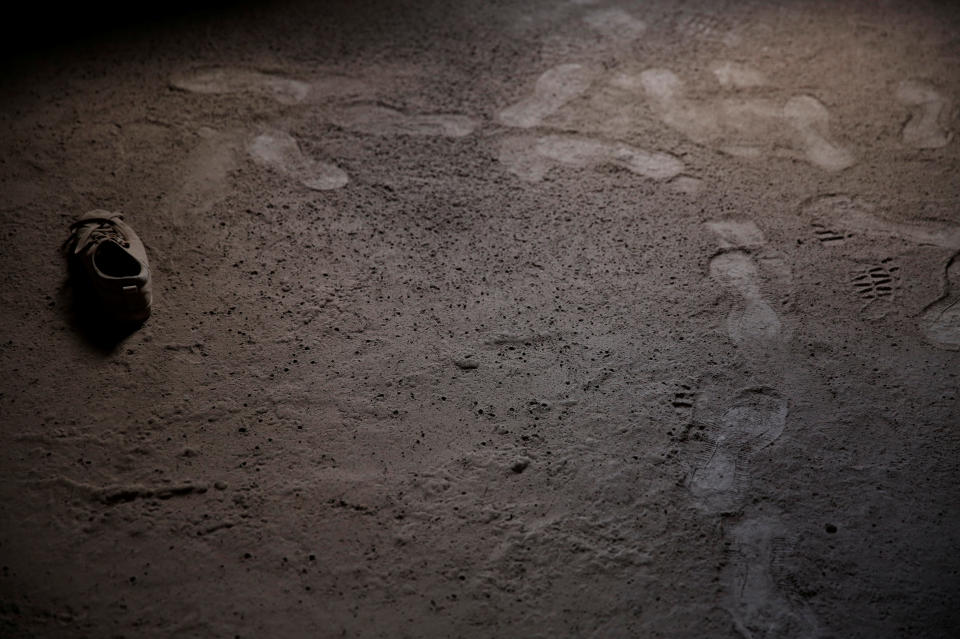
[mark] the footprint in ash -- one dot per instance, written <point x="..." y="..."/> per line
<point x="836" y="218"/>
<point x="221" y="80"/>
<point x="734" y="75"/>
<point x="762" y="605"/>
<point x="203" y="180"/>
<point x="281" y="89"/>
<point x="754" y="419"/>
<point x="616" y="24"/>
<point x="877" y="285"/>
<point x="926" y="128"/>
<point x="377" y="119"/>
<point x="941" y="319"/>
<point x="555" y="88"/>
<point x="810" y="123"/>
<point x="706" y="26"/>
<point x="755" y="322"/>
<point x="532" y="158"/>
<point x="749" y="127"/>
<point x="280" y="152"/>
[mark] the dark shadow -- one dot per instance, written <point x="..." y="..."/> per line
<point x="87" y="317"/>
<point x="40" y="29"/>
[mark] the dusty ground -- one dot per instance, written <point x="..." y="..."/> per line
<point x="513" y="319"/>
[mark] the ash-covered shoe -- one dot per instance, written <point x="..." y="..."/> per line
<point x="111" y="260"/>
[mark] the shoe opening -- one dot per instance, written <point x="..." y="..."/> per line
<point x="113" y="261"/>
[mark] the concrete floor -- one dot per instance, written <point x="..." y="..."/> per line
<point x="490" y="319"/>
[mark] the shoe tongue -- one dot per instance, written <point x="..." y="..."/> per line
<point x="82" y="234"/>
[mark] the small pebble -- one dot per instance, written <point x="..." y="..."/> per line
<point x="520" y="465"/>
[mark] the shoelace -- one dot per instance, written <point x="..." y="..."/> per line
<point x="84" y="232"/>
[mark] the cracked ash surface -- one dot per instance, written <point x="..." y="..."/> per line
<point x="531" y="319"/>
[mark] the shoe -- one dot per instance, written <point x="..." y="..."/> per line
<point x="111" y="259"/>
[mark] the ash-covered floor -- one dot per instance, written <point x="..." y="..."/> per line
<point x="490" y="319"/>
